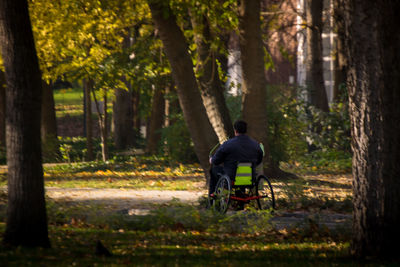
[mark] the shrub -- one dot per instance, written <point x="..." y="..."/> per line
<point x="176" y="141"/>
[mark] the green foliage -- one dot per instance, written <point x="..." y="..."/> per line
<point x="290" y="136"/>
<point x="176" y="141"/>
<point x="328" y="160"/>
<point x="234" y="104"/>
<point x="73" y="149"/>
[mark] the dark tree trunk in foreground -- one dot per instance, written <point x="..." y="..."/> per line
<point x="156" y="116"/>
<point x="2" y="110"/>
<point x="314" y="72"/>
<point x="176" y="49"/>
<point x="49" y="123"/>
<point x="26" y="211"/>
<point x="88" y="85"/>
<point x="211" y="86"/>
<point x="373" y="45"/>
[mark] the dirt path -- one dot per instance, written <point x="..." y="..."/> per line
<point x="122" y="198"/>
<point x="139" y="202"/>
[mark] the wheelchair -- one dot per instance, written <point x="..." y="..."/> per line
<point x="246" y="188"/>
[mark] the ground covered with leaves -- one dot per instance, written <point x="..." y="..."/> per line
<point x="178" y="233"/>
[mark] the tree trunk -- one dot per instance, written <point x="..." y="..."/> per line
<point x="123" y="111"/>
<point x="49" y="123"/>
<point x="373" y="45"/>
<point x="26" y="223"/>
<point x="254" y="86"/>
<point x="176" y="49"/>
<point x="314" y="63"/>
<point x="88" y="85"/>
<point x="156" y="117"/>
<point x="123" y="119"/>
<point x="103" y="124"/>
<point x="104" y="130"/>
<point x="210" y="85"/>
<point x="340" y="58"/>
<point x="136" y="115"/>
<point x="2" y="110"/>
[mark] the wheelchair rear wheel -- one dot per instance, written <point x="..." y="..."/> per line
<point x="222" y="194"/>
<point x="264" y="189"/>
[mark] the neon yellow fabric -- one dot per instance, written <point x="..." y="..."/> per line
<point x="243" y="174"/>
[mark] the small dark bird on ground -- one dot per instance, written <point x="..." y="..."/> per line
<point x="101" y="250"/>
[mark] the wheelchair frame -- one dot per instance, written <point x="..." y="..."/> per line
<point x="260" y="190"/>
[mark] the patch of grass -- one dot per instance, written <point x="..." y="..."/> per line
<point x="320" y="162"/>
<point x="76" y="246"/>
<point x="134" y="173"/>
<point x="315" y="193"/>
<point x="70" y="96"/>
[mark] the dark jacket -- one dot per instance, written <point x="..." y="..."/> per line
<point x="241" y="148"/>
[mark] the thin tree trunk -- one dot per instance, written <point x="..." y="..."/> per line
<point x="373" y="45"/>
<point x="210" y="85"/>
<point x="50" y="144"/>
<point x="104" y="130"/>
<point x="103" y="124"/>
<point x="136" y="114"/>
<point x="156" y="117"/>
<point x="88" y="85"/>
<point x="2" y="110"/>
<point x="314" y="63"/>
<point x="176" y="49"/>
<point x="26" y="222"/>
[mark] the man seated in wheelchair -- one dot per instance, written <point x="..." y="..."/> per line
<point x="241" y="148"/>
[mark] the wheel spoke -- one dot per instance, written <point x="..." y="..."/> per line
<point x="222" y="194"/>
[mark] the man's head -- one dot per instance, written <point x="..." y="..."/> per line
<point x="240" y="127"/>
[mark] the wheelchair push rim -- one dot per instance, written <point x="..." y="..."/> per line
<point x="265" y="193"/>
<point x="222" y="195"/>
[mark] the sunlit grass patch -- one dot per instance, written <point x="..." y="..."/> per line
<point x="131" y="175"/>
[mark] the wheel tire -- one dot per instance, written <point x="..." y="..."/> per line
<point x="222" y="194"/>
<point x="264" y="189"/>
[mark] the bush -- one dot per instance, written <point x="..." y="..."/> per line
<point x="176" y="142"/>
<point x="291" y="135"/>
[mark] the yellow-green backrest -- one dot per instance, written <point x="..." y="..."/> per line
<point x="243" y="174"/>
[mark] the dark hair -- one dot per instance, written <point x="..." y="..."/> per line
<point x="240" y="126"/>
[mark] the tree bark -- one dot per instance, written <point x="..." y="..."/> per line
<point x="26" y="223"/>
<point x="176" y="49"/>
<point x="156" y="117"/>
<point x="212" y="91"/>
<point x="136" y="115"/>
<point x="123" y="111"/>
<point x="373" y="45"/>
<point x="88" y="85"/>
<point x="2" y="110"/>
<point x="254" y="86"/>
<point x="340" y="58"/>
<point x="103" y="124"/>
<point x="314" y="63"/>
<point x="123" y="119"/>
<point x="50" y="146"/>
